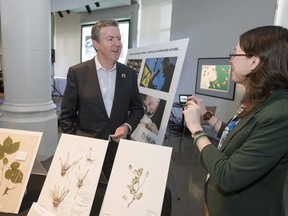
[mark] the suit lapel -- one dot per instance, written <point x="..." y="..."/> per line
<point x="96" y="88"/>
<point x="120" y="84"/>
<point x="243" y="122"/>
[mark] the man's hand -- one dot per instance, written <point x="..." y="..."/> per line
<point x="152" y="127"/>
<point x="120" y="133"/>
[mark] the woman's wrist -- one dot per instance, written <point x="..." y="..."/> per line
<point x="201" y="141"/>
<point x="215" y="123"/>
<point x="194" y="129"/>
<point x="197" y="135"/>
<point x="207" y="116"/>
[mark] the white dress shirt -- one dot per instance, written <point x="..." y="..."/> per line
<point x="107" y="82"/>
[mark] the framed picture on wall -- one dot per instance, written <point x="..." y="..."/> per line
<point x="214" y="78"/>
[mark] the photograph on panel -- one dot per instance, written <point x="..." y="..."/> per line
<point x="153" y="112"/>
<point x="135" y="64"/>
<point x="158" y="73"/>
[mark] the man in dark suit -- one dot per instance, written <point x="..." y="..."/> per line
<point x="101" y="98"/>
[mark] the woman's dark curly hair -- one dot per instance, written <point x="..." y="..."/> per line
<point x="270" y="44"/>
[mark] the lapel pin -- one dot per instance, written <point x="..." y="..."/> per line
<point x="123" y="75"/>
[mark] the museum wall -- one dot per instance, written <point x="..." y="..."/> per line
<point x="214" y="28"/>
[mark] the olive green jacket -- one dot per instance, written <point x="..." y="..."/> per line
<point x="248" y="172"/>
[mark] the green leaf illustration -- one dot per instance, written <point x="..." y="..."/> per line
<point x="16" y="176"/>
<point x="15" y="165"/>
<point x="2" y="155"/>
<point x="5" y="161"/>
<point x="136" y="183"/>
<point x="139" y="196"/>
<point x="10" y="147"/>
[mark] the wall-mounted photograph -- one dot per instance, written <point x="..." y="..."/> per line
<point x="214" y="78"/>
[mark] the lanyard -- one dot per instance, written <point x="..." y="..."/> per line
<point x="232" y="123"/>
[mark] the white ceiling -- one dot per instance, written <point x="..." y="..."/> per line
<point x="79" y="6"/>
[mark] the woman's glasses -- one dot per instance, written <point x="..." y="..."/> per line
<point x="231" y="56"/>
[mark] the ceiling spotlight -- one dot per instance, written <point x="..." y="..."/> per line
<point x="60" y="14"/>
<point x="88" y="8"/>
<point x="97" y="4"/>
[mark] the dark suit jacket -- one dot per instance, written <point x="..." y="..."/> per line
<point x="83" y="109"/>
<point x="248" y="173"/>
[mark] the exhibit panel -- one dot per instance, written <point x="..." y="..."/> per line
<point x="138" y="180"/>
<point x="159" y="68"/>
<point x="18" y="149"/>
<point x="73" y="176"/>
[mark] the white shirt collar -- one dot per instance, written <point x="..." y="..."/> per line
<point x="99" y="66"/>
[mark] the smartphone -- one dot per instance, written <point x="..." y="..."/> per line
<point x="183" y="98"/>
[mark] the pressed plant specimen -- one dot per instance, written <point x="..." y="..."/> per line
<point x="58" y="195"/>
<point x="7" y="189"/>
<point x="136" y="183"/>
<point x="66" y="167"/>
<point x="80" y="179"/>
<point x="10" y="172"/>
<point x="89" y="159"/>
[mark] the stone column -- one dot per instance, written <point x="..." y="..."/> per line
<point x="26" y="47"/>
<point x="281" y="17"/>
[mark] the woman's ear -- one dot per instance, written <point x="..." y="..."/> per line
<point x="255" y="60"/>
